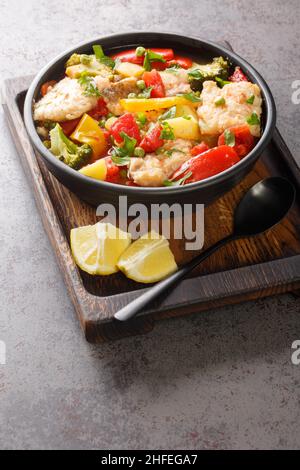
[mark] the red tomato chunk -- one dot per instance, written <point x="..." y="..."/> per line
<point x="45" y="87"/>
<point x="100" y="110"/>
<point x="238" y="76"/>
<point x="152" y="140"/>
<point x="244" y="140"/>
<point x="125" y="123"/>
<point x="154" y="80"/>
<point x="113" y="171"/>
<point x="200" y="148"/>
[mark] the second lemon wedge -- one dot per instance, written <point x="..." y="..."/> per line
<point x="148" y="259"/>
<point x="97" y="248"/>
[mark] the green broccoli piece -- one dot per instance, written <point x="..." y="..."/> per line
<point x="64" y="149"/>
<point x="219" y="67"/>
<point x="75" y="59"/>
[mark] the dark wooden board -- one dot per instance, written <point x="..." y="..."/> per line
<point x="244" y="270"/>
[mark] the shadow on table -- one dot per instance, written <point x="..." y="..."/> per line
<point x="229" y="340"/>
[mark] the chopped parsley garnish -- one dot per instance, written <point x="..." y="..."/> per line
<point x="141" y="118"/>
<point x="250" y="100"/>
<point x="102" y="58"/>
<point x="229" y="138"/>
<point x="101" y="122"/>
<point x="220" y="102"/>
<point x="196" y="74"/>
<point x="151" y="56"/>
<point x="169" y="114"/>
<point x="146" y="93"/>
<point x="121" y="155"/>
<point x="167" y="132"/>
<point x="178" y="182"/>
<point x="117" y="62"/>
<point x="88" y="84"/>
<point x="253" y="120"/>
<point x="191" y="97"/>
<point x="170" y="152"/>
<point x="221" y="82"/>
<point x="188" y="118"/>
<point x="120" y="160"/>
<point x="173" y="68"/>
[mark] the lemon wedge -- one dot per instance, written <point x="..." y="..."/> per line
<point x="148" y="259"/>
<point x="97" y="248"/>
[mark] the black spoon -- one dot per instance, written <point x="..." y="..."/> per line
<point x="262" y="207"/>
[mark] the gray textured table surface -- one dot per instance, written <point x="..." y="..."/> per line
<point x="221" y="379"/>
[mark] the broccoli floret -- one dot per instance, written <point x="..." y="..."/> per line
<point x="84" y="153"/>
<point x="64" y="149"/>
<point x="75" y="59"/>
<point x="219" y="67"/>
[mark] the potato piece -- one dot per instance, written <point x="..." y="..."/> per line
<point x="129" y="70"/>
<point x="186" y="110"/>
<point x="74" y="71"/>
<point x="95" y="170"/>
<point x="184" y="128"/>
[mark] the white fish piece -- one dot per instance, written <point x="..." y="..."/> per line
<point x="213" y="119"/>
<point x="153" y="169"/>
<point x="112" y="92"/>
<point x="65" y="101"/>
<point x="175" y="82"/>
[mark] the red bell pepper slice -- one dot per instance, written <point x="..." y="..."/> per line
<point x="207" y="164"/>
<point x="238" y="76"/>
<point x="244" y="140"/>
<point x="184" y="62"/>
<point x="154" y="80"/>
<point x="152" y="140"/>
<point x="130" y="55"/>
<point x="125" y="123"/>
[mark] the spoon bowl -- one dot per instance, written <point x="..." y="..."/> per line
<point x="263" y="206"/>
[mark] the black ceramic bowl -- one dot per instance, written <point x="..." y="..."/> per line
<point x="206" y="191"/>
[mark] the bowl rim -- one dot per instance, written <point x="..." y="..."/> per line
<point x="104" y="185"/>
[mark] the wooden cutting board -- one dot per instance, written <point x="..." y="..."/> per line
<point x="246" y="269"/>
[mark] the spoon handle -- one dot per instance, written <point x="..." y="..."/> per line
<point x="131" y="309"/>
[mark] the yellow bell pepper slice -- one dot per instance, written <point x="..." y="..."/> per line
<point x="96" y="170"/>
<point x="143" y="104"/>
<point x="88" y="132"/>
